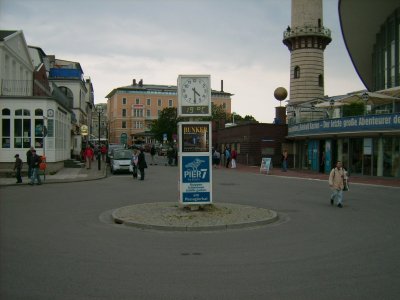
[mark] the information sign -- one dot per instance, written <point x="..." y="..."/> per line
<point x="195" y="163"/>
<point x="266" y="164"/>
<point x="195" y="181"/>
<point x="84" y="130"/>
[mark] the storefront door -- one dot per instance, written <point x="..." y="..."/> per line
<point x="313" y="146"/>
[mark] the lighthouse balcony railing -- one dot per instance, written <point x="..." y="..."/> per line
<point x="307" y="30"/>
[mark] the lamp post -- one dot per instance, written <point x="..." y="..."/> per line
<point x="312" y="112"/>
<point x="99" y="110"/>
<point x="331" y="104"/>
<point x="365" y="98"/>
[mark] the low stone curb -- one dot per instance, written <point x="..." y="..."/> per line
<point x="170" y="216"/>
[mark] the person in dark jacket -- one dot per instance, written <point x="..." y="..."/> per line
<point x="17" y="168"/>
<point x="141" y="163"/>
<point x="35" y="168"/>
<point x="153" y="154"/>
<point x="29" y="160"/>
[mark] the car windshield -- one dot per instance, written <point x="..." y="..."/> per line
<point x="114" y="147"/>
<point x="123" y="154"/>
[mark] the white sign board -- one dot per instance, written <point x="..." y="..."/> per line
<point x="266" y="164"/>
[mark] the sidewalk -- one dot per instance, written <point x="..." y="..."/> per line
<point x="66" y="175"/>
<point x="306" y="174"/>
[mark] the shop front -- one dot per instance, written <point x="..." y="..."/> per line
<point x="367" y="145"/>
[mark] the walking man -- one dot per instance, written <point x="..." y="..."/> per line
<point x="284" y="160"/>
<point x="88" y="156"/>
<point x="336" y="177"/>
<point x="227" y="156"/>
<point x="17" y="168"/>
<point x="35" y="168"/>
<point x="29" y="160"/>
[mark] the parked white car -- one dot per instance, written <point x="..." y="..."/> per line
<point x="111" y="148"/>
<point x="120" y="160"/>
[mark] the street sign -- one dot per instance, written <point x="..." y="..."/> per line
<point x="84" y="130"/>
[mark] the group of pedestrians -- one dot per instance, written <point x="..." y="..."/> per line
<point x="138" y="162"/>
<point x="229" y="156"/>
<point x="90" y="153"/>
<point x="33" y="161"/>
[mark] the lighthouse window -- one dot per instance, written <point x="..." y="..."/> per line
<point x="296" y="72"/>
<point x="320" y="80"/>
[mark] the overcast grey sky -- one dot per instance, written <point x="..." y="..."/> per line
<point x="239" y="42"/>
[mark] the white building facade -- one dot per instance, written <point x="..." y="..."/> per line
<point x="30" y="115"/>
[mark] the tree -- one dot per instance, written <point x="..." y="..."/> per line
<point x="217" y="113"/>
<point x="240" y="120"/>
<point x="167" y="122"/>
<point x="354" y="109"/>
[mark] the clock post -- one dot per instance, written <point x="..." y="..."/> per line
<point x="195" y="159"/>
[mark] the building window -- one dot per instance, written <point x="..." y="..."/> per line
<point x="22" y="129"/>
<point x="148" y="113"/>
<point x="148" y="101"/>
<point x="123" y="101"/>
<point x="296" y="73"/>
<point x="123" y="124"/>
<point x="67" y="92"/>
<point x="170" y="103"/>
<point x="321" y="80"/>
<point x="138" y="113"/>
<point x="38" y="112"/>
<point x="124" y="112"/>
<point x="39" y="133"/>
<point x="137" y="101"/>
<point x="392" y="63"/>
<point x="6" y="112"/>
<point x="138" y="125"/>
<point x="159" y="102"/>
<point x="5" y="129"/>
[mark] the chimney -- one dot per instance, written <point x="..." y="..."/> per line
<point x="141" y="82"/>
<point x="134" y="82"/>
<point x="222" y="85"/>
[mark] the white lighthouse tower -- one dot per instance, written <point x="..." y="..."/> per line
<point x="306" y="39"/>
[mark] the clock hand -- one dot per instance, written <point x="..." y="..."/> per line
<point x="194" y="94"/>
<point x="194" y="90"/>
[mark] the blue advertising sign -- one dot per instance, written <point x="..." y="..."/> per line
<point x="347" y="124"/>
<point x="195" y="179"/>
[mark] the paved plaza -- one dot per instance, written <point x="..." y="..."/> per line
<point x="60" y="241"/>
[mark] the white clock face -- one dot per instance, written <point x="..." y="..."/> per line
<point x="50" y="113"/>
<point x="195" y="90"/>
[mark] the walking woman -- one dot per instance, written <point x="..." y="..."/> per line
<point x="141" y="163"/>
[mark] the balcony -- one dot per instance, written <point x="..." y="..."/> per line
<point x="307" y="31"/>
<point x="22" y="88"/>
